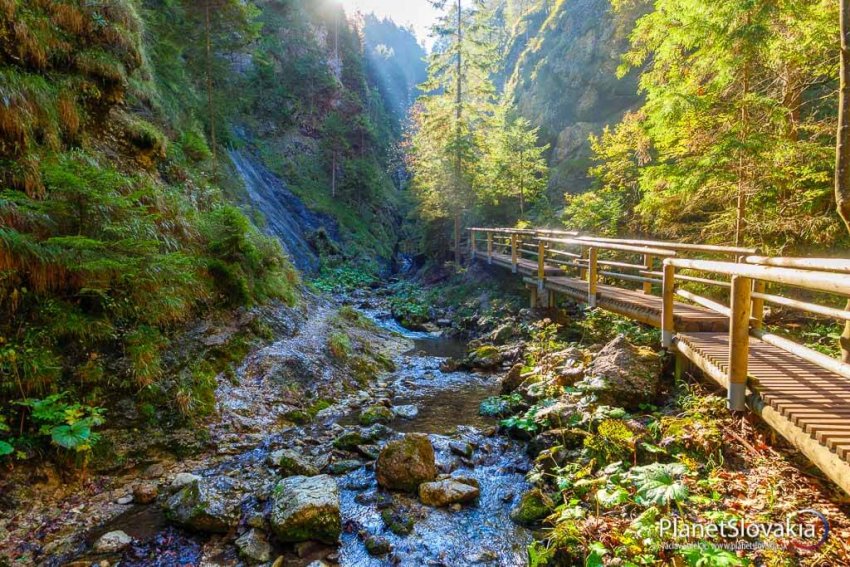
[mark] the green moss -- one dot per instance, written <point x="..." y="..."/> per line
<point x="339" y="346"/>
<point x="376" y="414"/>
<point x="533" y="506"/>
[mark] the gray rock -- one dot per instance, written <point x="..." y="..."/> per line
<point x="342" y="467"/>
<point x="461" y="448"/>
<point x="406" y="463"/>
<point x="183" y="479"/>
<point x="206" y="505"/>
<point x="112" y="542"/>
<point x="306" y="508"/>
<point x="292" y="463"/>
<point x="623" y="375"/>
<point x="124" y="500"/>
<point x="407" y="411"/>
<point x="254" y="546"/>
<point x="447" y="492"/>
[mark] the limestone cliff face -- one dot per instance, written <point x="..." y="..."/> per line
<point x="564" y="80"/>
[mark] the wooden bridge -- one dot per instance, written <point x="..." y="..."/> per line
<point x="800" y="392"/>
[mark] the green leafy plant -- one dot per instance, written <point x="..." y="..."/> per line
<point x="708" y="555"/>
<point x="660" y="484"/>
<point x="69" y="425"/>
<point x="5" y="448"/>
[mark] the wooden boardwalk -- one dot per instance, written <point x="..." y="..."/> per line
<point x="804" y="395"/>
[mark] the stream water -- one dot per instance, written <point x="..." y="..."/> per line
<point x="447" y="410"/>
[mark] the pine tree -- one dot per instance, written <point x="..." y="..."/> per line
<point x="460" y="94"/>
<point x="514" y="166"/>
<point x="842" y="152"/>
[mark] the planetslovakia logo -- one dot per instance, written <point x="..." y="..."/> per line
<point x="824" y="529"/>
<point x="805" y="529"/>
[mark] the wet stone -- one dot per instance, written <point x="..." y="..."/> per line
<point x="447" y="492"/>
<point x="112" y="542"/>
<point x="461" y="448"/>
<point x="145" y="493"/>
<point x="306" y="508"/>
<point x="342" y="467"/>
<point x="254" y="546"/>
<point x="377" y="546"/>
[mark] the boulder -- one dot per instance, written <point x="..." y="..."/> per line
<point x="502" y="333"/>
<point x="112" y="542"/>
<point x="206" y="505"/>
<point x="376" y="414"/>
<point x="533" y="506"/>
<point x="183" y="479"/>
<point x="447" y="492"/>
<point x="513" y="379"/>
<point x="487" y="357"/>
<point x="306" y="508"/>
<point x="406" y="463"/>
<point x="623" y="375"/>
<point x="293" y="463"/>
<point x="254" y="547"/>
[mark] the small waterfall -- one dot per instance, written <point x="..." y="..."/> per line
<point x="287" y="217"/>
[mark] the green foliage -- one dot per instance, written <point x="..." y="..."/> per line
<point x="733" y="106"/>
<point x="339" y="345"/>
<point x="599" y="325"/>
<point x="501" y="406"/>
<point x="67" y="425"/>
<point x="660" y="484"/>
<point x="708" y="555"/>
<point x="613" y="441"/>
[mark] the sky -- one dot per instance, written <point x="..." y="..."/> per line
<point x="418" y="13"/>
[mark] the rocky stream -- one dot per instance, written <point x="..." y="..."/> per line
<point x="403" y="471"/>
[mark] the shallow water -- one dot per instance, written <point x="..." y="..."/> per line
<point x="447" y="402"/>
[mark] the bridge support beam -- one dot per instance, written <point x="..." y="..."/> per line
<point x="668" y="289"/>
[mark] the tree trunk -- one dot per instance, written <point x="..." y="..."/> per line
<point x="842" y="145"/>
<point x="458" y="117"/>
<point x="457" y="236"/>
<point x="333" y="176"/>
<point x="210" y="107"/>
<point x="741" y="215"/>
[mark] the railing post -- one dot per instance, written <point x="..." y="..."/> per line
<point x="592" y="276"/>
<point x="582" y="273"/>
<point x="759" y="286"/>
<point x="668" y="290"/>
<point x="648" y="260"/>
<point x="541" y="265"/>
<point x="472" y="244"/>
<point x="489" y="247"/>
<point x="514" y="253"/>
<point x="739" y="341"/>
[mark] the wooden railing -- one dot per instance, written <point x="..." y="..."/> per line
<point x="746" y="307"/>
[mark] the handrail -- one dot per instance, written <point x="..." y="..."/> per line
<point x="841" y="265"/>
<point x="610" y="246"/>
<point x="819" y="281"/>
<point x="676" y="245"/>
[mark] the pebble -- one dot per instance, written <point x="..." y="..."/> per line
<point x="124" y="500"/>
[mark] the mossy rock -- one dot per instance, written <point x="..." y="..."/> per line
<point x="306" y="508"/>
<point x="398" y="520"/>
<point x="292" y="463"/>
<point x="376" y="414"/>
<point x="406" y="463"/>
<point x="377" y="546"/>
<point x="696" y="436"/>
<point x="486" y="357"/>
<point x="533" y="506"/>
